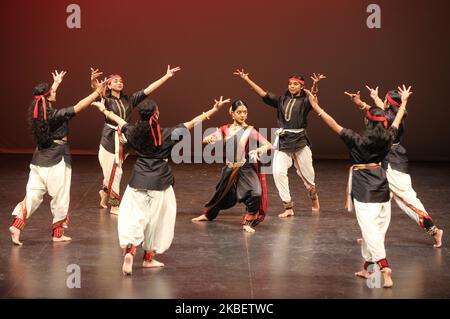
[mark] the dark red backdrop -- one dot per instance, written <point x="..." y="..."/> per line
<point x="209" y="39"/>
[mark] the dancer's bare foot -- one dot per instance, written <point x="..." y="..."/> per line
<point x="438" y="238"/>
<point x="152" y="264"/>
<point x="15" y="235"/>
<point x="61" y="239"/>
<point x="286" y="213"/>
<point x="363" y="274"/>
<point x="315" y="204"/>
<point x="114" y="210"/>
<point x="127" y="267"/>
<point x="248" y="229"/>
<point x="103" y="199"/>
<point x="387" y="272"/>
<point x="201" y="218"/>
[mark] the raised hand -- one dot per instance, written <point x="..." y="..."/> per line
<point x="171" y="72"/>
<point x="99" y="85"/>
<point x="355" y="97"/>
<point x="241" y="73"/>
<point x="317" y="77"/>
<point x="221" y="102"/>
<point x="405" y="93"/>
<point x="373" y="92"/>
<point x="58" y="77"/>
<point x="95" y="74"/>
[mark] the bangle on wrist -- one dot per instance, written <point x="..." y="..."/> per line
<point x="206" y="115"/>
<point x="320" y="113"/>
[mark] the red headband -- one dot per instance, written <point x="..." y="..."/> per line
<point x="377" y="118"/>
<point x="112" y="77"/>
<point x="37" y="98"/>
<point x="108" y="82"/>
<point x="392" y="101"/>
<point x="153" y="119"/>
<point x="302" y="82"/>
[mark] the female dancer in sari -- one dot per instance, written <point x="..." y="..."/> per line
<point x="241" y="180"/>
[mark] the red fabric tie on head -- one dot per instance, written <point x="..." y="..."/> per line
<point x="392" y="101"/>
<point x="297" y="80"/>
<point x="377" y="119"/>
<point x="112" y="77"/>
<point x="108" y="82"/>
<point x="37" y="98"/>
<point x="156" y="136"/>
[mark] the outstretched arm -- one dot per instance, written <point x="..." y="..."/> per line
<point x="356" y="98"/>
<point x="252" y="84"/>
<point x="374" y="95"/>
<point x="84" y="103"/>
<point x="206" y="115"/>
<point x="109" y="114"/>
<point x="316" y="78"/>
<point x="170" y="73"/>
<point x="57" y="79"/>
<point x="405" y="94"/>
<point x="330" y="121"/>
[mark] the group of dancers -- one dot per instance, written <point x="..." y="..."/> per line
<point x="147" y="210"/>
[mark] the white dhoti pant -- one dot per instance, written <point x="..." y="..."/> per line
<point x="404" y="195"/>
<point x="55" y="181"/>
<point x="302" y="161"/>
<point x="107" y="162"/>
<point x="373" y="219"/>
<point x="147" y="217"/>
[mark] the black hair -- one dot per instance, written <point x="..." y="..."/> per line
<point x="146" y="109"/>
<point x="41" y="89"/>
<point x="141" y="136"/>
<point x="302" y="92"/>
<point x="40" y="128"/>
<point x="236" y="104"/>
<point x="376" y="136"/>
<point x="395" y="95"/>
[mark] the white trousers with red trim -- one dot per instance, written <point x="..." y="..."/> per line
<point x="148" y="218"/>
<point x="106" y="160"/>
<point x="55" y="181"/>
<point x="405" y="196"/>
<point x="373" y="219"/>
<point x="302" y="161"/>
